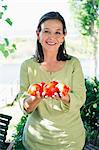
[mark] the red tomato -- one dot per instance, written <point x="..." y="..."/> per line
<point x="63" y="89"/>
<point x="50" y="88"/>
<point x="36" y="87"/>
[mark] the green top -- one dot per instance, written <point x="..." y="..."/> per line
<point x="54" y="125"/>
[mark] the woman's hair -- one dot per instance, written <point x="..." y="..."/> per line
<point x="62" y="55"/>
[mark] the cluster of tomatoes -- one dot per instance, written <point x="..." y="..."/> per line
<point x="48" y="89"/>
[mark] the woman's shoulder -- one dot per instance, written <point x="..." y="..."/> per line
<point x="74" y="59"/>
<point x="74" y="62"/>
<point x="30" y="60"/>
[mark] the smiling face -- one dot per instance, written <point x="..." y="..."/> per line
<point x="51" y="35"/>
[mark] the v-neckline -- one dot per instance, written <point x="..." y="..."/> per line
<point x="53" y="72"/>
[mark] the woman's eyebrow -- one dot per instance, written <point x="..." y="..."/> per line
<point x="59" y="29"/>
<point x="46" y="28"/>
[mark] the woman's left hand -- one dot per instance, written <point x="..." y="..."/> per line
<point x="64" y="99"/>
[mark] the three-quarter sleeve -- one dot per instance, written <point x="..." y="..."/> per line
<point x="78" y="90"/>
<point x="24" y="79"/>
<point x="24" y="84"/>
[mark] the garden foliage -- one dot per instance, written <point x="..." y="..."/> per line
<point x="6" y="47"/>
<point x="90" y="110"/>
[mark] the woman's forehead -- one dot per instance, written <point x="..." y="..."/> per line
<point x="52" y="23"/>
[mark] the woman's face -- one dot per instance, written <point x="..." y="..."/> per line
<point x="51" y="35"/>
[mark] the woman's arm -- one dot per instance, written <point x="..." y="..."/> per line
<point x="78" y="90"/>
<point x="28" y="103"/>
<point x="31" y="103"/>
<point x="77" y="95"/>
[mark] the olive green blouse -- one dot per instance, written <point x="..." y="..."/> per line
<point x="54" y="125"/>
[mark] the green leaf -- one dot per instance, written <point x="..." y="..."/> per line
<point x="97" y="23"/>
<point x="2" y="47"/>
<point x="5" y="7"/>
<point x="11" y="50"/>
<point x="95" y="105"/>
<point x="1" y="14"/>
<point x="6" y="41"/>
<point x="8" y="20"/>
<point x="6" y="53"/>
<point x="3" y="50"/>
<point x="14" y="46"/>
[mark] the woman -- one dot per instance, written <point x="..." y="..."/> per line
<point x="53" y="123"/>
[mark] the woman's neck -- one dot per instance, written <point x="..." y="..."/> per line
<point x="50" y="57"/>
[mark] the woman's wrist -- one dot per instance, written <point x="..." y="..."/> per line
<point x="66" y="100"/>
<point x="31" y="103"/>
<point x="25" y="104"/>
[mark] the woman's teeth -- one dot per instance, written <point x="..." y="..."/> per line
<point x="51" y="43"/>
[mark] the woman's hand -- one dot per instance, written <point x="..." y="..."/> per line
<point x="31" y="102"/>
<point x="64" y="99"/>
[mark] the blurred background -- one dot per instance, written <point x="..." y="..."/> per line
<point x="18" y="22"/>
<point x="24" y="16"/>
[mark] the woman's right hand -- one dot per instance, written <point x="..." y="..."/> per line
<point x="32" y="102"/>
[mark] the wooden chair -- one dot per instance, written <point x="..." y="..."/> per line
<point x="4" y="122"/>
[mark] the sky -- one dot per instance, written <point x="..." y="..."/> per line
<point x="25" y="15"/>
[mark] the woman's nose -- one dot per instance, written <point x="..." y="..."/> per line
<point x="52" y="35"/>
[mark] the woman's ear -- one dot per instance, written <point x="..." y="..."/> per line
<point x="63" y="38"/>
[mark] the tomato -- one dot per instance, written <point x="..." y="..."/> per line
<point x="34" y="88"/>
<point x="63" y="89"/>
<point x="50" y="88"/>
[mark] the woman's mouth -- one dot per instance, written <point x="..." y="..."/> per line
<point x="50" y="43"/>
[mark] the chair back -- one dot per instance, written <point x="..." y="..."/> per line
<point x="4" y="122"/>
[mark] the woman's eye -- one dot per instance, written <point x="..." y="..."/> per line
<point x="46" y="31"/>
<point x="58" y="33"/>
